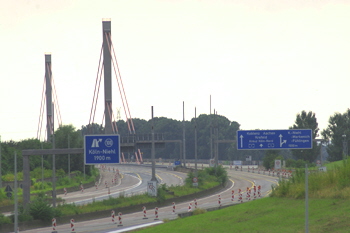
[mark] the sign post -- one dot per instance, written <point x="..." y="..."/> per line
<point x="152" y="188"/>
<point x="195" y="182"/>
<point x="278" y="139"/>
<point x="278" y="164"/>
<point x="101" y="149"/>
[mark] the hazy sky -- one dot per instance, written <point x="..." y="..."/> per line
<point x="262" y="61"/>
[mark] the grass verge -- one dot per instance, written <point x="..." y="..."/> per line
<point x="272" y="215"/>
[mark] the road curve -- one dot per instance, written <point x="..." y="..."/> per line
<point x="240" y="180"/>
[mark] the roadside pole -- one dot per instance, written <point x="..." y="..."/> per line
<point x="0" y="165"/>
<point x="195" y="143"/>
<point x="16" y="201"/>
<point x="153" y="151"/>
<point x="306" y="200"/>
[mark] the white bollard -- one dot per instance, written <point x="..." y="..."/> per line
<point x="190" y="207"/>
<point x="120" y="219"/>
<point x="112" y="215"/>
<point x="174" y="207"/>
<point x="72" y="225"/>
<point x="144" y="212"/>
<point x="156" y="213"/>
<point x="54" y="225"/>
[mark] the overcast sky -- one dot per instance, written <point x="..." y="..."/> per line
<point x="262" y="61"/>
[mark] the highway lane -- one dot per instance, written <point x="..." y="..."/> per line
<point x="241" y="180"/>
<point x="132" y="180"/>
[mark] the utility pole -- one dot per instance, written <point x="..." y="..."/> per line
<point x="0" y="165"/>
<point x="153" y="150"/>
<point x="15" y="191"/>
<point x="306" y="199"/>
<point x="53" y="167"/>
<point x="211" y="132"/>
<point x="68" y="158"/>
<point x="183" y="134"/>
<point x="42" y="166"/>
<point x="216" y="139"/>
<point x="195" y="142"/>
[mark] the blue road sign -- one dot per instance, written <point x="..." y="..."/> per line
<point x="274" y="139"/>
<point x="177" y="163"/>
<point x="101" y="149"/>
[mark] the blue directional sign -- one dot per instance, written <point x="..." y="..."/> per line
<point x="101" y="149"/>
<point x="274" y="139"/>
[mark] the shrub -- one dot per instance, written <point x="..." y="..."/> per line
<point x="290" y="163"/>
<point x="41" y="186"/>
<point x="161" y="192"/>
<point x="63" y="181"/>
<point x="4" y="220"/>
<point x="199" y="211"/>
<point x="219" y="172"/>
<point x="41" y="209"/>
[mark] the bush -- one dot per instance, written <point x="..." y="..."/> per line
<point x="63" y="181"/>
<point x="2" y="195"/>
<point x="41" y="186"/>
<point x="219" y="172"/>
<point x="60" y="173"/>
<point x="161" y="192"/>
<point x="23" y="215"/>
<point x="199" y="211"/>
<point x="41" y="209"/>
<point x="290" y="163"/>
<point x="4" y="220"/>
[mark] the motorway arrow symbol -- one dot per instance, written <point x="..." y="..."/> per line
<point x="241" y="141"/>
<point x="261" y="145"/>
<point x="282" y="142"/>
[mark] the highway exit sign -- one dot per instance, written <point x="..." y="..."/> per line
<point x="101" y="149"/>
<point x="274" y="139"/>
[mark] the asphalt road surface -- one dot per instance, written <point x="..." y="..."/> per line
<point x="242" y="180"/>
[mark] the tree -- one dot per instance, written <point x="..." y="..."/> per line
<point x="338" y="125"/>
<point x="270" y="157"/>
<point x="93" y="128"/>
<point x="62" y="135"/>
<point x="307" y="120"/>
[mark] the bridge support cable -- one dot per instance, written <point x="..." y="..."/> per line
<point x="109" y="43"/>
<point x="94" y="106"/>
<point x="96" y="91"/>
<point x="120" y="86"/>
<point x="55" y="99"/>
<point x="57" y="106"/>
<point x="41" y="113"/>
<point x="111" y="116"/>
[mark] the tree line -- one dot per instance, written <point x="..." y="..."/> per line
<point x="68" y="136"/>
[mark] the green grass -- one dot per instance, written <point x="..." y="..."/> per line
<point x="284" y="211"/>
<point x="46" y="187"/>
<point x="266" y="215"/>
